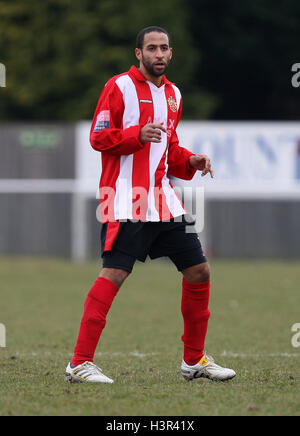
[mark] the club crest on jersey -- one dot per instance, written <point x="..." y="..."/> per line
<point x="172" y="103"/>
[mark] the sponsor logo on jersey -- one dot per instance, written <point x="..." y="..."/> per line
<point x="103" y="121"/>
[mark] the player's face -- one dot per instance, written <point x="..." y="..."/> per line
<point x="156" y="54"/>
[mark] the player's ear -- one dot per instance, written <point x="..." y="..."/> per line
<point x="171" y="53"/>
<point x="138" y="54"/>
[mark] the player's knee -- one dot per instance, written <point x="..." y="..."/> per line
<point x="198" y="273"/>
<point x="116" y="276"/>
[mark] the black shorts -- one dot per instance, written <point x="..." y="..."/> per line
<point x="122" y="243"/>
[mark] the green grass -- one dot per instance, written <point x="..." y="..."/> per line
<point x="253" y="305"/>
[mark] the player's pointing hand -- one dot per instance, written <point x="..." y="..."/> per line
<point x="202" y="163"/>
<point x="152" y="132"/>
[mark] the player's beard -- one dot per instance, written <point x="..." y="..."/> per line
<point x="150" y="67"/>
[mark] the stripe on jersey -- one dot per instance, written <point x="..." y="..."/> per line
<point x="173" y="201"/>
<point x="141" y="170"/>
<point x="131" y="117"/>
<point x="108" y="179"/>
<point x="156" y="195"/>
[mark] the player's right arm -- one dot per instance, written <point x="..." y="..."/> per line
<point x="107" y="133"/>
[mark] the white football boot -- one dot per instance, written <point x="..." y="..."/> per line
<point x="86" y="372"/>
<point x="206" y="368"/>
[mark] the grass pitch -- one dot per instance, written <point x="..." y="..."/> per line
<point x="253" y="305"/>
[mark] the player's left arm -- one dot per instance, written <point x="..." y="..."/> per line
<point x="182" y="163"/>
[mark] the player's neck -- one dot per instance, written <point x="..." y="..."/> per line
<point x="154" y="79"/>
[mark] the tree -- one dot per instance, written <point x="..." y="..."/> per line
<point x="59" y="54"/>
<point x="248" y="49"/>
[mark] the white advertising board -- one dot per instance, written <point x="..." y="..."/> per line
<point x="246" y="151"/>
<point x="253" y="157"/>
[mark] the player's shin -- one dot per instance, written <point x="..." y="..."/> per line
<point x="195" y="312"/>
<point x="96" y="307"/>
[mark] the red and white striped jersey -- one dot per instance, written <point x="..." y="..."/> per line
<point x="134" y="182"/>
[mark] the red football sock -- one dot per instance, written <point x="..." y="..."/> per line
<point x="195" y="312"/>
<point x="96" y="307"/>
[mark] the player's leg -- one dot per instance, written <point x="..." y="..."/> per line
<point x="116" y="268"/>
<point x="195" y="311"/>
<point x="96" y="307"/>
<point x="122" y="243"/>
<point x="197" y="273"/>
<point x="185" y="250"/>
<point x="115" y="275"/>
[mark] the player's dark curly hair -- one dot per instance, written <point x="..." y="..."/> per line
<point x="143" y="32"/>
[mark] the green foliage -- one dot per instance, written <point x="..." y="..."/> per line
<point x="60" y="53"/>
<point x="248" y="49"/>
<point x="232" y="60"/>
